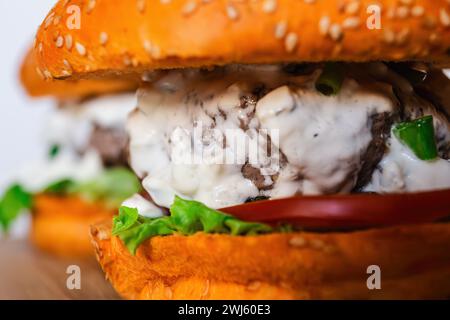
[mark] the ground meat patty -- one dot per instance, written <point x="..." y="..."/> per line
<point x="254" y="174"/>
<point x="381" y="125"/>
<point x="111" y="144"/>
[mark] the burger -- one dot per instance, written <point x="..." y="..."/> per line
<point x="83" y="176"/>
<point x="286" y="149"/>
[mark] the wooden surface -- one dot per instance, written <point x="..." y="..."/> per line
<point x="27" y="273"/>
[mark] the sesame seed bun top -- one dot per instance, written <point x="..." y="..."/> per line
<point x="36" y="84"/>
<point x="89" y="38"/>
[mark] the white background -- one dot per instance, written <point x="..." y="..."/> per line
<point x="21" y="118"/>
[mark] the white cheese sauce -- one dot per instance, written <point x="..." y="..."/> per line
<point x="144" y="207"/>
<point x="322" y="138"/>
<point x="70" y="127"/>
<point x="401" y="171"/>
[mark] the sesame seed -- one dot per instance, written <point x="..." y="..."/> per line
<point x="90" y="6"/>
<point x="206" y="289"/>
<point x="47" y="74"/>
<point x="189" y="7"/>
<point x="40" y="47"/>
<point x="56" y="20"/>
<point x="65" y="73"/>
<point x="417" y="11"/>
<point x="297" y="242"/>
<point x="280" y="29"/>
<point x="80" y="49"/>
<point x="152" y="49"/>
<point x="351" y="23"/>
<point x="67" y="64"/>
<point x="68" y="41"/>
<point x="309" y="1"/>
<point x="255" y="285"/>
<point x="352" y="8"/>
<point x="324" y="25"/>
<point x="269" y="6"/>
<point x="165" y="1"/>
<point x="232" y="12"/>
<point x="103" y="38"/>
<point x="402" y="12"/>
<point x="444" y="17"/>
<point x="49" y="20"/>
<point x="290" y="42"/>
<point x="59" y="42"/>
<point x="407" y="2"/>
<point x="336" y="32"/>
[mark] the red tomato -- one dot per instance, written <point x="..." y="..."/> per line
<point x="347" y="211"/>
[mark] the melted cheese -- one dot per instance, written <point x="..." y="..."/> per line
<point x="401" y="171"/>
<point x="321" y="137"/>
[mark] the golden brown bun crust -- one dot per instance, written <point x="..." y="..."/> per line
<point x="61" y="224"/>
<point x="136" y="35"/>
<point x="34" y="82"/>
<point x="414" y="262"/>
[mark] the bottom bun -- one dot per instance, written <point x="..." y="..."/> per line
<point x="414" y="263"/>
<point x="60" y="224"/>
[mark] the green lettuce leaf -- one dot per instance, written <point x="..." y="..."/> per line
<point x="14" y="201"/>
<point x="186" y="217"/>
<point x="60" y="187"/>
<point x="140" y="232"/>
<point x="238" y="227"/>
<point x="112" y="187"/>
<point x="125" y="220"/>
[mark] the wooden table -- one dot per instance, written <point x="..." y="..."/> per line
<point x="27" y="273"/>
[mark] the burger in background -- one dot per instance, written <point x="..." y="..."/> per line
<point x="84" y="177"/>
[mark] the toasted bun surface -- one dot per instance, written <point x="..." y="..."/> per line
<point x="414" y="262"/>
<point x="61" y="224"/>
<point x="86" y="38"/>
<point x="36" y="84"/>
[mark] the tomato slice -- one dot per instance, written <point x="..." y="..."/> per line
<point x="347" y="211"/>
